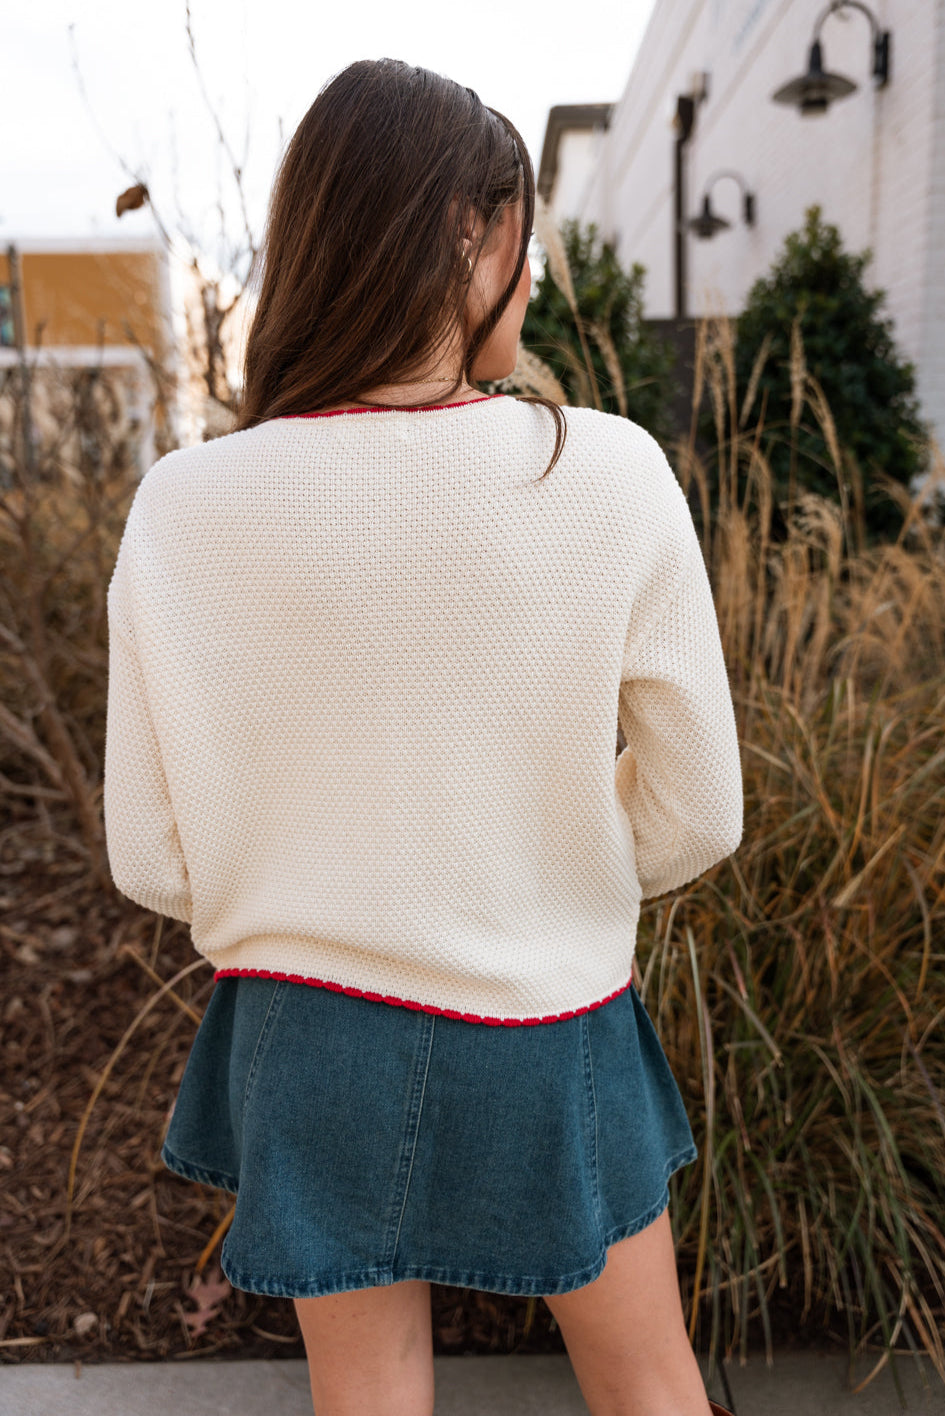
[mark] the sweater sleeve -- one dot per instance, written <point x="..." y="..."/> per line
<point x="144" y="848"/>
<point x="679" y="777"/>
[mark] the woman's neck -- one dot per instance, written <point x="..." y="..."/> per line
<point x="406" y="395"/>
<point x="437" y="374"/>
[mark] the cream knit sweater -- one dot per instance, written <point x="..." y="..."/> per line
<point x="364" y="679"/>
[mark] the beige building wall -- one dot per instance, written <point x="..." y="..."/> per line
<point x="73" y="305"/>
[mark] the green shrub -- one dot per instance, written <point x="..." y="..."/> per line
<point x="632" y="366"/>
<point x="851" y="353"/>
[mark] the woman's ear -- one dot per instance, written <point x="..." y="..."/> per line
<point x="463" y="216"/>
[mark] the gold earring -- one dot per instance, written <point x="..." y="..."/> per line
<point x="469" y="267"/>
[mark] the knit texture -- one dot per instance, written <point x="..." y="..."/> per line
<point x="365" y="673"/>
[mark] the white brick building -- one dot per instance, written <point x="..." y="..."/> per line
<point x="874" y="161"/>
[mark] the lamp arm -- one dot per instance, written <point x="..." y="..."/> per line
<point x="748" y="199"/>
<point x="848" y="5"/>
<point x="726" y="172"/>
<point x="881" y="38"/>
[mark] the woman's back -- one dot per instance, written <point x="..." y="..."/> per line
<point x="382" y="661"/>
<point x="365" y="669"/>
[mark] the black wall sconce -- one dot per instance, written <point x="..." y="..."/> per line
<point x="707" y="223"/>
<point x="814" y="91"/>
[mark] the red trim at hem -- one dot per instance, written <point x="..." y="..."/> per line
<point x="422" y="1007"/>
<point x="406" y="408"/>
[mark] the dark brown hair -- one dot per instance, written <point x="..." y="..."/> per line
<point x="363" y="266"/>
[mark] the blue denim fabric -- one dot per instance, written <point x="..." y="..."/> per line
<point x="369" y="1143"/>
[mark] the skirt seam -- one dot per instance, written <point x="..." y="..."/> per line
<point x="278" y="993"/>
<point x="220" y="1179"/>
<point x="672" y="1164"/>
<point x="410" y="1140"/>
<point x="592" y="1096"/>
<point x="430" y="1273"/>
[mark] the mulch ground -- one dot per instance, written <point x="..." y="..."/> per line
<point x="117" y="1278"/>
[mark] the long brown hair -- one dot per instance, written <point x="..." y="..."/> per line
<point x="362" y="260"/>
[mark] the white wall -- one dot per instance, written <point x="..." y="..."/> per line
<point x="577" y="151"/>
<point x="875" y="161"/>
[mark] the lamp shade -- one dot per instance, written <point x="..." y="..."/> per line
<point x="814" y="91"/>
<point x="706" y="224"/>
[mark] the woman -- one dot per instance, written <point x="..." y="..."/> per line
<point x="367" y="654"/>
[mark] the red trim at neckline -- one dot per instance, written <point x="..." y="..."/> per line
<point x="406" y="408"/>
<point x="420" y="1007"/>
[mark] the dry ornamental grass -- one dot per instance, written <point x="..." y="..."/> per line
<point x="798" y="987"/>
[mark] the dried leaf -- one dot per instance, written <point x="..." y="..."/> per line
<point x="208" y="1296"/>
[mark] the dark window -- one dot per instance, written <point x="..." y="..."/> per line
<point x="7" y="336"/>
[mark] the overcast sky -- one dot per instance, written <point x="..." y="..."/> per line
<point x="262" y="61"/>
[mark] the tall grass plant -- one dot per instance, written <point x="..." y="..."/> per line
<point x="799" y="987"/>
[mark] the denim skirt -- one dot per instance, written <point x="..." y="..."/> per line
<point x="369" y="1143"/>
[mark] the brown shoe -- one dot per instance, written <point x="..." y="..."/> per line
<point x="718" y="1410"/>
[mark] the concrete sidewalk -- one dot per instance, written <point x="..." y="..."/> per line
<point x="799" y="1384"/>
